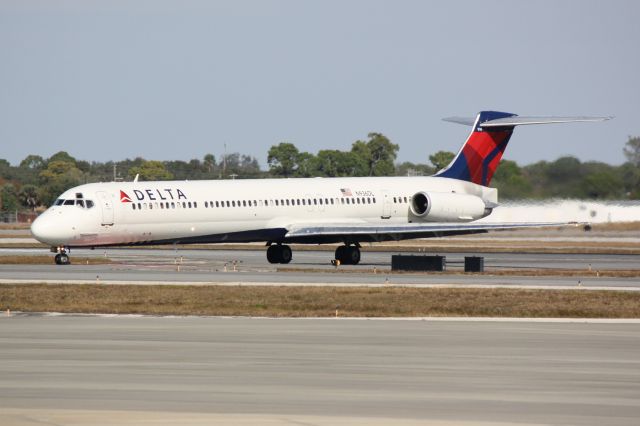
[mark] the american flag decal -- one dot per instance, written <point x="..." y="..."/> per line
<point x="346" y="192"/>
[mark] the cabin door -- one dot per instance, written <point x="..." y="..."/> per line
<point x="106" y="203"/>
<point x="386" y="205"/>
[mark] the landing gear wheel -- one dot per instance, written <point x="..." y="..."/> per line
<point x="353" y="254"/>
<point x="62" y="259"/>
<point x="285" y="254"/>
<point x="348" y="255"/>
<point x="272" y="255"/>
<point x="279" y="254"/>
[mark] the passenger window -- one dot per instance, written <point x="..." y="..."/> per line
<point x="287" y="202"/>
<point x="331" y="200"/>
<point x="150" y="206"/>
<point x="195" y="204"/>
<point x="315" y="201"/>
<point x="184" y="205"/>
<point x="341" y="200"/>
<point x="133" y="205"/>
<point x="162" y="205"/>
<point x="374" y="200"/>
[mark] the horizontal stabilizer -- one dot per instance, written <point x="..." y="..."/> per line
<point x="467" y="121"/>
<point x="522" y="120"/>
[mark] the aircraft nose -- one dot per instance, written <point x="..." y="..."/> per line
<point x="45" y="231"/>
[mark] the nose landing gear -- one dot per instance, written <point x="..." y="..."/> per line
<point x="62" y="258"/>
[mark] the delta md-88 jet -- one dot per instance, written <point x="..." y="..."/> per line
<point x="305" y="210"/>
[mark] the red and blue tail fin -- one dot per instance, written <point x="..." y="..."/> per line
<point x="478" y="159"/>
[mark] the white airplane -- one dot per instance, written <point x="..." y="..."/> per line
<point x="280" y="211"/>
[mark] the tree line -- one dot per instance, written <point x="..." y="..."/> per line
<point x="37" y="181"/>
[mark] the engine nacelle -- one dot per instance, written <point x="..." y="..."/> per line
<point x="446" y="207"/>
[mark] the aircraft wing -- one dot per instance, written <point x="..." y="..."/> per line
<point x="370" y="232"/>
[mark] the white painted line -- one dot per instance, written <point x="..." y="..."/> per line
<point x="331" y="318"/>
<point x="316" y="284"/>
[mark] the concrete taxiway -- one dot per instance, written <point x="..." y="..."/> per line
<point x="147" y="266"/>
<point x="99" y="370"/>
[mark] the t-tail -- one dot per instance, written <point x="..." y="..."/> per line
<point x="479" y="157"/>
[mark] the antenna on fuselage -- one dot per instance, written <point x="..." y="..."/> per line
<point x="135" y="179"/>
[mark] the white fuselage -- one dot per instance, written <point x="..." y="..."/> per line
<point x="240" y="210"/>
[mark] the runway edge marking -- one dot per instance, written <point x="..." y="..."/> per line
<point x="293" y="284"/>
<point x="330" y="318"/>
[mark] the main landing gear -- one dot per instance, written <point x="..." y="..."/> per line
<point x="62" y="258"/>
<point x="348" y="255"/>
<point x="279" y="254"/>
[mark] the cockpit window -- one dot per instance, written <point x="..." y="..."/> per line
<point x="86" y="204"/>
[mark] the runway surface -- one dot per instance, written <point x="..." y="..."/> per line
<point x="56" y="370"/>
<point x="217" y="266"/>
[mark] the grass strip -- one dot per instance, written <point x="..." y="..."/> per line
<point x="318" y="301"/>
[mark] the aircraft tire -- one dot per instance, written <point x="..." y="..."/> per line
<point x="273" y="254"/>
<point x="62" y="259"/>
<point x="353" y="255"/>
<point x="285" y="254"/>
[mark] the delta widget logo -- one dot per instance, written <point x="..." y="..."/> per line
<point x="153" y="195"/>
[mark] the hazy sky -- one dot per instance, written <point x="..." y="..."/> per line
<point x="168" y="80"/>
